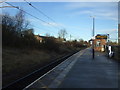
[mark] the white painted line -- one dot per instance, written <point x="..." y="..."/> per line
<point x="46" y="73"/>
<point x="51" y="70"/>
<point x="60" y="77"/>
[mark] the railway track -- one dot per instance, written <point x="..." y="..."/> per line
<point x="24" y="81"/>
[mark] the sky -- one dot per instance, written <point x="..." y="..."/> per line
<point x="74" y="17"/>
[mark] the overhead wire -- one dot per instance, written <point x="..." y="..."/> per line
<point x="27" y="13"/>
<point x="40" y="11"/>
<point x="31" y="15"/>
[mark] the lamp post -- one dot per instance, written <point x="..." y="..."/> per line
<point x="93" y="32"/>
<point x="108" y="39"/>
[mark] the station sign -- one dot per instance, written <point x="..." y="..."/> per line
<point x="101" y="37"/>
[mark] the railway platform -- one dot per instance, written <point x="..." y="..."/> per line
<point x="81" y="71"/>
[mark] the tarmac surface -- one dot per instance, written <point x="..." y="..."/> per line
<point x="81" y="71"/>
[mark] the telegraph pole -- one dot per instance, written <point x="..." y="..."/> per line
<point x="93" y="32"/>
<point x="93" y="37"/>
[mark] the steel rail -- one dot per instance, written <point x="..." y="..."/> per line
<point x="26" y="80"/>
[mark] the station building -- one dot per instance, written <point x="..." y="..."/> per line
<point x="100" y="42"/>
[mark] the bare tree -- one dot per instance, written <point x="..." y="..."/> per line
<point x="26" y="25"/>
<point x="8" y="22"/>
<point x="19" y="21"/>
<point x="62" y="33"/>
<point x="13" y="27"/>
<point x="16" y="23"/>
<point x="47" y="35"/>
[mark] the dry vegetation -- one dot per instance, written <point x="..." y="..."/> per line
<point x="17" y="62"/>
<point x="22" y="53"/>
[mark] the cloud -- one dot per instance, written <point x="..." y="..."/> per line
<point x="99" y="15"/>
<point x="109" y="31"/>
<point x="49" y="24"/>
<point x="54" y="24"/>
<point x="66" y="0"/>
<point x="100" y="10"/>
<point x="104" y="5"/>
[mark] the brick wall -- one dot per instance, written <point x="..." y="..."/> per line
<point x="102" y="44"/>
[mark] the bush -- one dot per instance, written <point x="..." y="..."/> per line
<point x="51" y="44"/>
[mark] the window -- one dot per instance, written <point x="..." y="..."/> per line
<point x="97" y="43"/>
